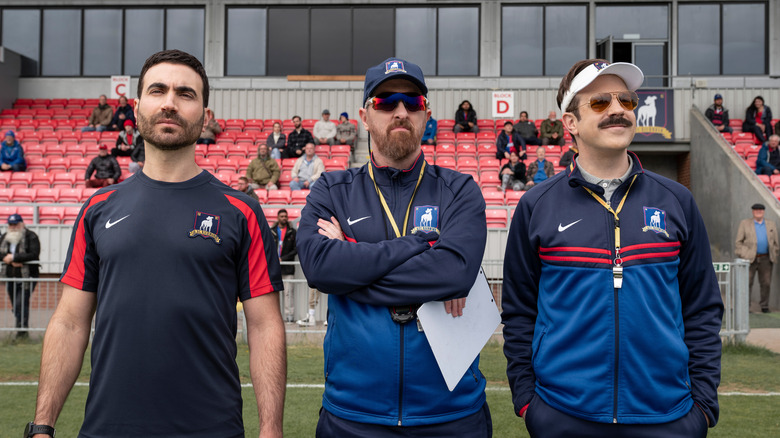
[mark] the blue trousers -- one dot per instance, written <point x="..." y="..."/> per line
<point x="477" y="425"/>
<point x="544" y="421"/>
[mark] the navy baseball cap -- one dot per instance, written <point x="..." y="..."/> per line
<point x="393" y="68"/>
<point x="14" y="219"/>
<point x="718" y="96"/>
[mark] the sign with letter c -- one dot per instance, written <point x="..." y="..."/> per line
<point x="120" y="86"/>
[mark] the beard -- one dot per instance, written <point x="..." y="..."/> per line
<point x="14" y="237"/>
<point x="166" y="139"/>
<point x="397" y="145"/>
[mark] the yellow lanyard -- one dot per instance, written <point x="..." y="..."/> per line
<point x="384" y="203"/>
<point x="617" y="268"/>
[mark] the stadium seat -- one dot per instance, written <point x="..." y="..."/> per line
<point x="340" y="150"/>
<point x="288" y="163"/>
<point x="468" y="163"/>
<point x="70" y="215"/>
<point x="228" y="165"/>
<point x="71" y="195"/>
<point x="240" y="150"/>
<point x="270" y="214"/>
<point x="322" y="151"/>
<point x="466" y="150"/>
<point x="489" y="164"/>
<point x="512" y="197"/>
<point x="298" y="197"/>
<point x="496" y="218"/>
<point x="489" y="179"/>
<point x="486" y="149"/>
<point x="445" y="150"/>
<point x="20" y="179"/>
<point x="207" y="164"/>
<point x="279" y="197"/>
<point x="493" y="196"/>
<point x="50" y="215"/>
<point x="36" y="163"/>
<point x="338" y="163"/>
<point x="445" y="136"/>
<point x="65" y="180"/>
<point x="27" y="212"/>
<point x="6" y="194"/>
<point x="446" y="124"/>
<point x="446" y="162"/>
<point x="87" y="193"/>
<point x="41" y="179"/>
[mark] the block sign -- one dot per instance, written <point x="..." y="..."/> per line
<point x="120" y="86"/>
<point x="503" y="104"/>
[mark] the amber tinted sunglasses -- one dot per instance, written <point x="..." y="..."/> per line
<point x="601" y="101"/>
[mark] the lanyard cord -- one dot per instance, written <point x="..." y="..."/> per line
<point x="384" y="203"/>
<point x="618" y="260"/>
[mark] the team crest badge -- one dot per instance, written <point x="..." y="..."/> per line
<point x="394" y="67"/>
<point x="206" y="226"/>
<point x="655" y="220"/>
<point x="600" y="65"/>
<point x="426" y="219"/>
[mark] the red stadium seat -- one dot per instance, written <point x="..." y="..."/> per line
<point x="66" y="180"/>
<point x="445" y="150"/>
<point x="496" y="218"/>
<point x="27" y="213"/>
<point x="71" y="195"/>
<point x="22" y="194"/>
<point x="446" y="124"/>
<point x="465" y="164"/>
<point x="87" y="193"/>
<point x="298" y="197"/>
<point x="20" y="179"/>
<point x="512" y="197"/>
<point x="493" y="196"/>
<point x="71" y="213"/>
<point x="279" y="197"/>
<point x="6" y="194"/>
<point x="41" y="180"/>
<point x="50" y="215"/>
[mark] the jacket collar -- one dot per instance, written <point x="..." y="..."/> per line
<point x="576" y="178"/>
<point x="386" y="175"/>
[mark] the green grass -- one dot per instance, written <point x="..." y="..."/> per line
<point x="765" y="320"/>
<point x="745" y="369"/>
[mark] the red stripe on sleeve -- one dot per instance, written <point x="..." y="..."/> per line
<point x="650" y="245"/>
<point x="74" y="273"/>
<point x="651" y="255"/>
<point x="259" y="278"/>
<point x="349" y="239"/>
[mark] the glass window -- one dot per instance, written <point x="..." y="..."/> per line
<point x="102" y="42"/>
<point x="648" y="22"/>
<point x="521" y="41"/>
<point x="743" y="39"/>
<point x="185" y="31"/>
<point x="373" y="39"/>
<point x="565" y="38"/>
<point x="21" y="31"/>
<point x="61" y="55"/>
<point x="331" y="39"/>
<point x="458" y="53"/>
<point x="698" y="31"/>
<point x="288" y="42"/>
<point x="143" y="37"/>
<point x="415" y="37"/>
<point x="245" y="46"/>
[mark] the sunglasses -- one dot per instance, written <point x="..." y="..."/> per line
<point x="388" y="102"/>
<point x="600" y="102"/>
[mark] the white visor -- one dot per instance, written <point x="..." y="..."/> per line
<point x="631" y="75"/>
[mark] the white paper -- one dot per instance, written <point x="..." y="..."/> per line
<point x="456" y="342"/>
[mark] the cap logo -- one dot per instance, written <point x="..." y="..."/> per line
<point x="600" y="65"/>
<point x="394" y="67"/>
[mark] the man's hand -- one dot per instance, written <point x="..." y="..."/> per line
<point x="507" y="171"/>
<point x="8" y="259"/>
<point x="331" y="230"/>
<point x="529" y="184"/>
<point x="554" y="135"/>
<point x="111" y="180"/>
<point x="5" y="166"/>
<point x="776" y="171"/>
<point x="306" y="184"/>
<point x="455" y="307"/>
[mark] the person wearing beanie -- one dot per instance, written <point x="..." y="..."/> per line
<point x="105" y="167"/>
<point x="12" y="155"/>
<point x="346" y="132"/>
<point x="127" y="140"/>
<point x="718" y="115"/>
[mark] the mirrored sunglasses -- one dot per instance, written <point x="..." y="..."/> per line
<point x="601" y="101"/>
<point x="413" y="103"/>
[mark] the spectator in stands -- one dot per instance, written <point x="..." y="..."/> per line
<point x="138" y="157"/>
<point x="100" y="119"/>
<point x="307" y="169"/>
<point x="540" y="169"/>
<point x="18" y="247"/>
<point x="552" y="130"/>
<point x="509" y="141"/>
<point x="105" y="167"/>
<point x="718" y="115"/>
<point x="123" y="113"/>
<point x="512" y="174"/>
<point x="127" y="141"/>
<point x="243" y="186"/>
<point x="346" y="132"/>
<point x="465" y="118"/>
<point x="768" y="161"/>
<point x="758" y="118"/>
<point x="568" y="156"/>
<point x="297" y="139"/>
<point x="324" y="129"/>
<point x="276" y="141"/>
<point x="12" y="154"/>
<point x="757" y="242"/>
<point x="210" y="132"/>
<point x="431" y="127"/>
<point x="527" y="130"/>
<point x="263" y="171"/>
<point x="284" y="237"/>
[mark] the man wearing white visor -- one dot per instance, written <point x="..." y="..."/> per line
<point x="611" y="308"/>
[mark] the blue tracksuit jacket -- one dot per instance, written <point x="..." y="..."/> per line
<point x="643" y="353"/>
<point x="376" y="370"/>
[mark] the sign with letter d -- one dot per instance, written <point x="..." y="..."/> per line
<point x="503" y="104"/>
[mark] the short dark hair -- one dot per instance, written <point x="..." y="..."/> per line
<point x="282" y="210"/>
<point x="243" y="178"/>
<point x="176" y="57"/>
<point x="524" y="112"/>
<point x="296" y="117"/>
<point x="566" y="84"/>
<point x="508" y="123"/>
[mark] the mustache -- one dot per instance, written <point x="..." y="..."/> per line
<point x="168" y="115"/>
<point x="618" y="120"/>
<point x="406" y="124"/>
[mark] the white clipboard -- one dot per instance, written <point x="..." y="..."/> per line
<point x="456" y="342"/>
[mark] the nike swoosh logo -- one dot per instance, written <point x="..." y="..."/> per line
<point x="110" y="224"/>
<point x="351" y="222"/>
<point x="562" y="228"/>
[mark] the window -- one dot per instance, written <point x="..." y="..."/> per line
<point x="415" y="37"/>
<point x="22" y="34"/>
<point x="184" y="30"/>
<point x="722" y="38"/>
<point x="458" y="53"/>
<point x="329" y="49"/>
<point x="102" y="42"/>
<point x="143" y="36"/>
<point x="565" y="38"/>
<point x="245" y="45"/>
<point x="632" y="22"/>
<point x="373" y="39"/>
<point x="288" y="41"/>
<point x="61" y="54"/>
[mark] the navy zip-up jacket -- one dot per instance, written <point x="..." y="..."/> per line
<point x="376" y="370"/>
<point x="642" y="353"/>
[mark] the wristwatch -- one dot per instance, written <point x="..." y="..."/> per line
<point x="33" y="429"/>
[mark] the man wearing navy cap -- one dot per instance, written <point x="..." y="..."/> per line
<point x="381" y="240"/>
<point x="718" y="115"/>
<point x="19" y="247"/>
<point x="611" y="307"/>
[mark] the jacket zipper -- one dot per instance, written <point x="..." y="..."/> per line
<point x="401" y="376"/>
<point x="617" y="355"/>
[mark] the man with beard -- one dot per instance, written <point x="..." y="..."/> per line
<point x="611" y="308"/>
<point x="101" y="116"/>
<point x="18" y="247"/>
<point x="263" y="171"/>
<point x="381" y="240"/>
<point x="297" y="139"/>
<point x="284" y="237"/>
<point x="160" y="261"/>
<point x="122" y="115"/>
